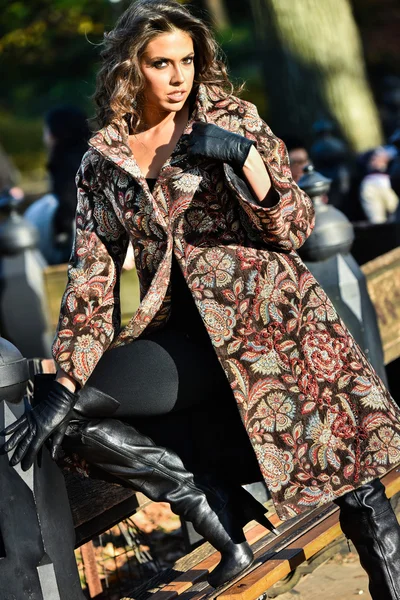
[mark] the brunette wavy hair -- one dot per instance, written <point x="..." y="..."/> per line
<point x="120" y="80"/>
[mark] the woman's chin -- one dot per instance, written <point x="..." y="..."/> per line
<point x="170" y="108"/>
<point x="174" y="105"/>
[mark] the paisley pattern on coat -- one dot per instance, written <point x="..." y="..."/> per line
<point x="319" y="418"/>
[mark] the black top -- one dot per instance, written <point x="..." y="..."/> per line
<point x="184" y="314"/>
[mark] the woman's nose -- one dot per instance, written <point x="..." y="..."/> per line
<point x="177" y="76"/>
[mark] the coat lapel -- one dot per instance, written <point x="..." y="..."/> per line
<point x="112" y="143"/>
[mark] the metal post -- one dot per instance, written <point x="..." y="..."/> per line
<point x="36" y="529"/>
<point x="22" y="301"/>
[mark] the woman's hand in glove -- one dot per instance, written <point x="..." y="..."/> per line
<point x="212" y="141"/>
<point x="36" y="425"/>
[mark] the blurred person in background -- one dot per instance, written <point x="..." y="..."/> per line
<point x="298" y="156"/>
<point x="377" y="198"/>
<point x="65" y="136"/>
<point x="9" y="178"/>
<point x="330" y="156"/>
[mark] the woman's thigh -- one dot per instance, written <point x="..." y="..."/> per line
<point x="159" y="374"/>
<point x="175" y="391"/>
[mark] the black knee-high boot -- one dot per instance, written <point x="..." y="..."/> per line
<point x="119" y="449"/>
<point x="368" y="520"/>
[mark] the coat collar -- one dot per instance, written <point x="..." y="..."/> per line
<point x="112" y="141"/>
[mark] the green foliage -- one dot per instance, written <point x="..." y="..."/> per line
<point x="48" y="49"/>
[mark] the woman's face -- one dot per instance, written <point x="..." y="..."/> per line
<point x="168" y="68"/>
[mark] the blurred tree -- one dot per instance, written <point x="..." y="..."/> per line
<point x="379" y="23"/>
<point x="48" y="56"/>
<point x="313" y="68"/>
<point x="217" y="12"/>
<point x="45" y="53"/>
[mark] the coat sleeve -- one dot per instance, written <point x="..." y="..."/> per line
<point x="90" y="307"/>
<point x="288" y="223"/>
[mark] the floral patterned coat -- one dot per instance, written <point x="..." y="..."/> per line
<point x="319" y="418"/>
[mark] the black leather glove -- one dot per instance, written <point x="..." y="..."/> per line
<point x="212" y="141"/>
<point x="36" y="425"/>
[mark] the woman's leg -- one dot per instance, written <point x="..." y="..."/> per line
<point x="174" y="390"/>
<point x="368" y="520"/>
<point x="162" y="373"/>
<point x="161" y="376"/>
<point x="133" y="459"/>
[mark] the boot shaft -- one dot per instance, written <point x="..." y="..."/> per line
<point x="368" y="520"/>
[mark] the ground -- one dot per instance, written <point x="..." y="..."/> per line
<point x="341" y="578"/>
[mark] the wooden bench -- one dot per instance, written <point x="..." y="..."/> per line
<point x="97" y="506"/>
<point x="300" y="540"/>
<point x="383" y="281"/>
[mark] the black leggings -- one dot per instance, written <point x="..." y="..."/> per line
<point x="162" y="373"/>
<point x="173" y="389"/>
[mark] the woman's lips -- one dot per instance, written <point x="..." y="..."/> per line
<point x="176" y="96"/>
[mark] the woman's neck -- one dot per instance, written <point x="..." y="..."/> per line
<point x="151" y="147"/>
<point x="155" y="120"/>
<point x="164" y="125"/>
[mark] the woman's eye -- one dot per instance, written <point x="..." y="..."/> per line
<point x="159" y="64"/>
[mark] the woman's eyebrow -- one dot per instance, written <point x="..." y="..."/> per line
<point x="166" y="59"/>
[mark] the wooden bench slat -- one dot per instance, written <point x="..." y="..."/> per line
<point x="260" y="539"/>
<point x="199" y="571"/>
<point x="268" y="546"/>
<point x="391" y="481"/>
<point x="98" y="505"/>
<point x="383" y="282"/>
<point x="254" y="584"/>
<point x="106" y="520"/>
<point x="275" y="558"/>
<point x="264" y="576"/>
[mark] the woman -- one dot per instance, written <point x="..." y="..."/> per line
<point x="223" y="219"/>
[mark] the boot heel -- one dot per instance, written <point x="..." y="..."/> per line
<point x="254" y="510"/>
<point x="265" y="522"/>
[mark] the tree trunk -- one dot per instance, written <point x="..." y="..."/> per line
<point x="313" y="68"/>
<point x="217" y="13"/>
